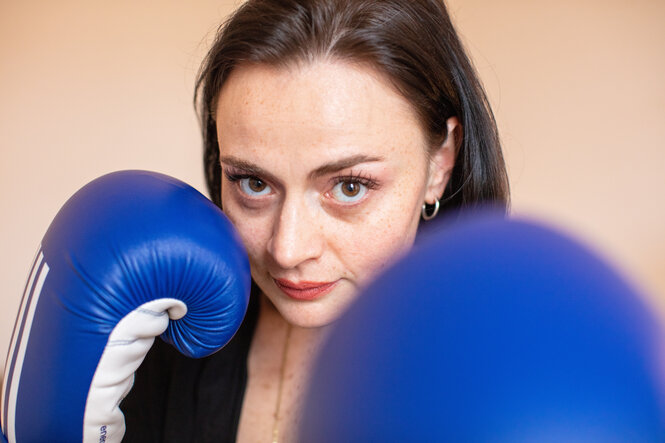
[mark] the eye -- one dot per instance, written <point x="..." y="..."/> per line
<point x="254" y="186"/>
<point x="349" y="191"/>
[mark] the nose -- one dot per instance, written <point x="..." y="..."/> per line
<point x="296" y="237"/>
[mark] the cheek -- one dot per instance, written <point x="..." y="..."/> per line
<point x="253" y="231"/>
<point x="382" y="237"/>
<point x="253" y="238"/>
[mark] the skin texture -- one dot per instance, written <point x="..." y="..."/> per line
<point x="284" y="134"/>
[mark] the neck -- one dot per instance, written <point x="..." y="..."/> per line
<point x="293" y="351"/>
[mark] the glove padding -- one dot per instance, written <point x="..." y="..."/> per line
<point x="130" y="256"/>
<point x="492" y="330"/>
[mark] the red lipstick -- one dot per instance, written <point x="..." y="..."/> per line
<point x="304" y="290"/>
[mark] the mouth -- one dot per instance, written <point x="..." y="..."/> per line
<point x="305" y="290"/>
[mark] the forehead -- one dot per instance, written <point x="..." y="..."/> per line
<point x="331" y="105"/>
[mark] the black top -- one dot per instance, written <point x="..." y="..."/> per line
<point x="179" y="399"/>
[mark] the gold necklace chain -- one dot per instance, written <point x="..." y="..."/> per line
<point x="282" y="370"/>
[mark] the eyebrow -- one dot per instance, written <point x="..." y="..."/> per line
<point x="325" y="169"/>
<point x="344" y="163"/>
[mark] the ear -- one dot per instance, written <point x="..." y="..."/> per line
<point x="442" y="161"/>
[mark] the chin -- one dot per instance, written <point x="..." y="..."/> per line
<point x="308" y="321"/>
<point x="310" y="314"/>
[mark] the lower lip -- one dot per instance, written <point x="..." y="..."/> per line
<point x="307" y="293"/>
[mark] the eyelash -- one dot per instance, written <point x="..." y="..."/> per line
<point x="364" y="179"/>
<point x="234" y="177"/>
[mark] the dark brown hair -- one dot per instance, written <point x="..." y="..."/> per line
<point x="412" y="42"/>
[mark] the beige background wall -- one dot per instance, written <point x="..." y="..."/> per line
<point x="578" y="88"/>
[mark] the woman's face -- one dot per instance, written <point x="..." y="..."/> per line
<point x="325" y="170"/>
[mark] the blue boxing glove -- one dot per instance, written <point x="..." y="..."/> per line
<point x="492" y="330"/>
<point x="130" y="256"/>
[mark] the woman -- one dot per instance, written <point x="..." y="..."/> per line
<point x="331" y="127"/>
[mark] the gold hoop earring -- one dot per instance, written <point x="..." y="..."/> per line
<point x="427" y="216"/>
